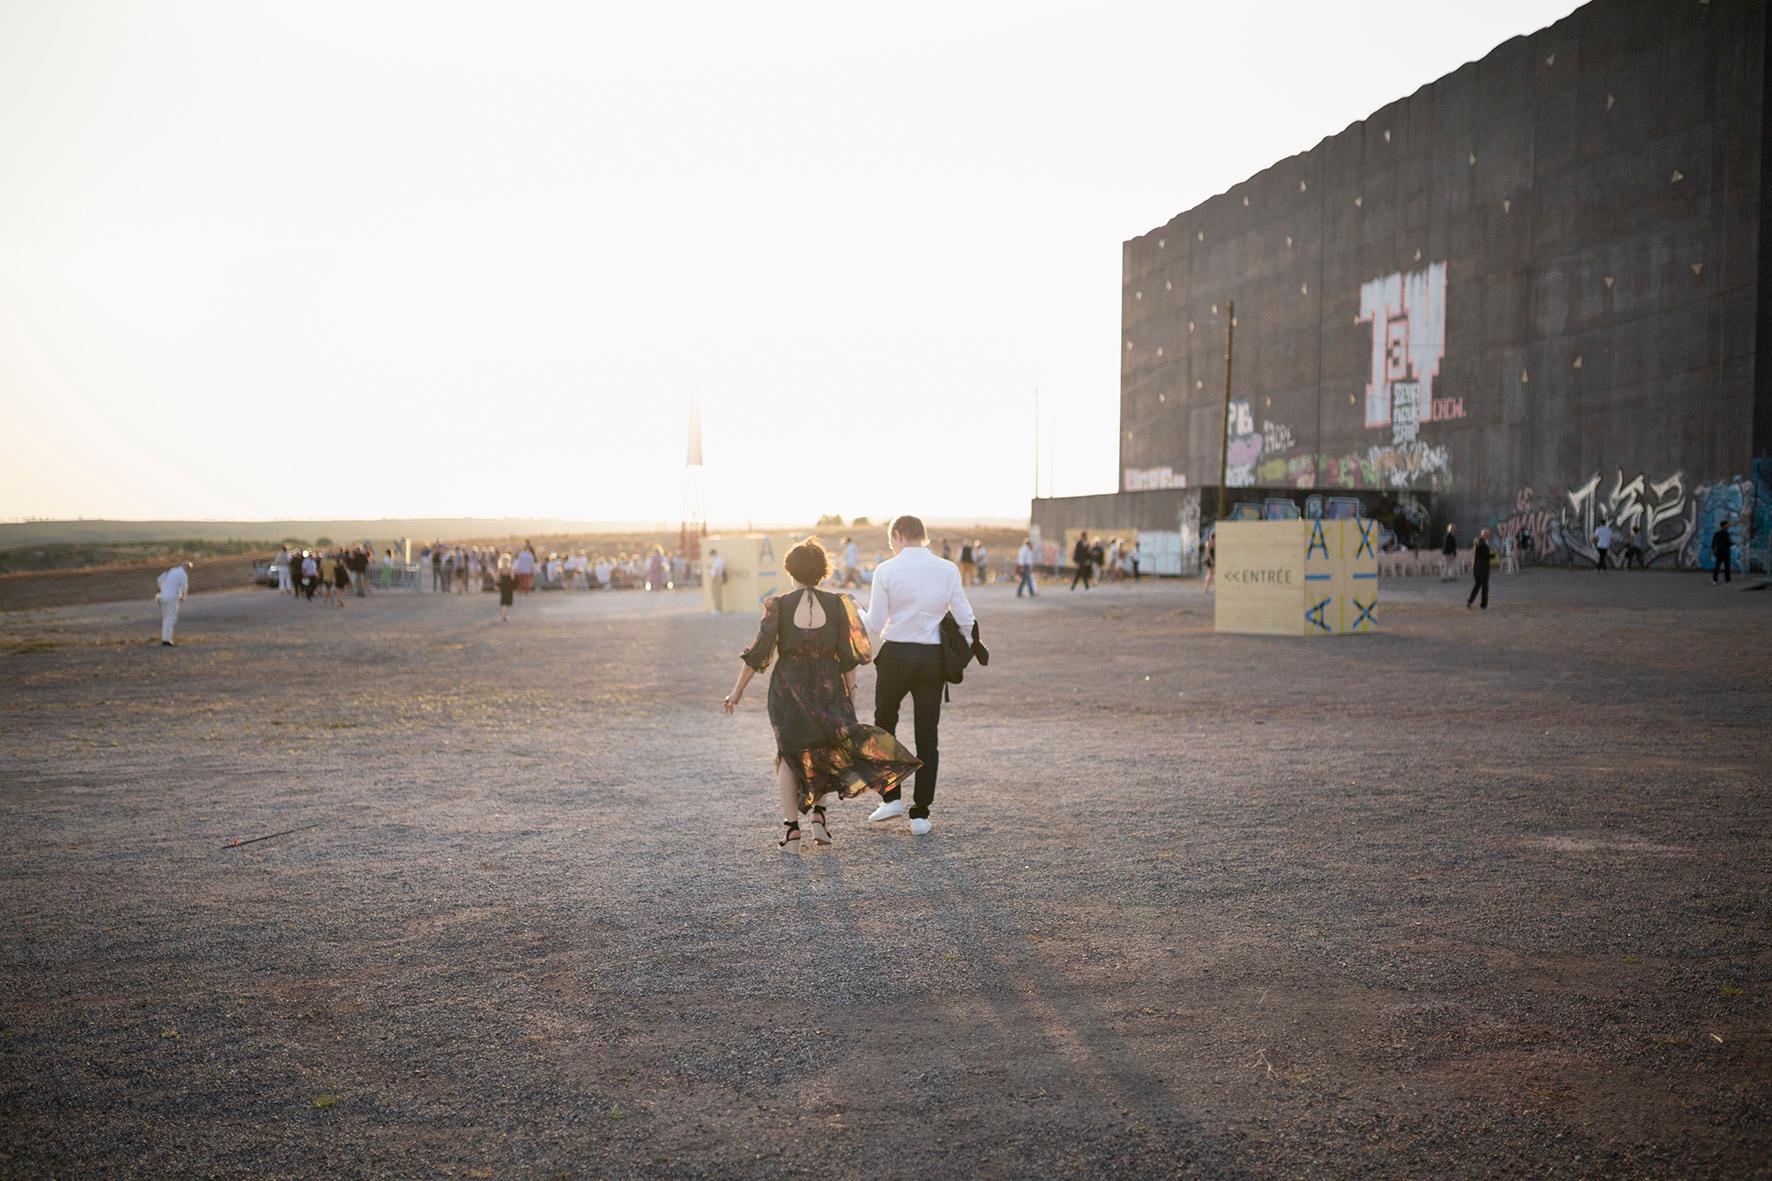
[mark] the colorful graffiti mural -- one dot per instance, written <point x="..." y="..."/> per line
<point x="1531" y="520"/>
<point x="1242" y="445"/>
<point x="1412" y="465"/>
<point x="1745" y="502"/>
<point x="1759" y="544"/>
<point x="1730" y="501"/>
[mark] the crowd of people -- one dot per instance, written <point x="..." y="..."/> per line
<point x="302" y="574"/>
<point x="461" y="568"/>
<point x="1109" y="560"/>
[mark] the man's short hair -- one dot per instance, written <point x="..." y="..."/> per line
<point x="909" y="528"/>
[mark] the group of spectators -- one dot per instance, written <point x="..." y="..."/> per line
<point x="330" y="573"/>
<point x="460" y="568"/>
<point x="974" y="561"/>
<point x="1110" y="560"/>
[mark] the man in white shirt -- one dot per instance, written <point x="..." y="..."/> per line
<point x="717" y="580"/>
<point x="524" y="567"/>
<point x="171" y="596"/>
<point x="1024" y="569"/>
<point x="1602" y="545"/>
<point x="912" y="591"/>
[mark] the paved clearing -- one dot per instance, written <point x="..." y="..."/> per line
<point x="1487" y="894"/>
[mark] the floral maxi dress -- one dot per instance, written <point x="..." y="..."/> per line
<point x="816" y="730"/>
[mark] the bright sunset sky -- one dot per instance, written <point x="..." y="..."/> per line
<point x="321" y="260"/>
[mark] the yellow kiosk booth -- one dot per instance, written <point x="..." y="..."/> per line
<point x="753" y="571"/>
<point x="1297" y="578"/>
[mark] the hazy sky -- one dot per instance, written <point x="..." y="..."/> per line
<point x="474" y="259"/>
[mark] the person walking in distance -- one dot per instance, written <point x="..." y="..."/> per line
<point x="851" y="563"/>
<point x="968" y="567"/>
<point x="285" y="584"/>
<point x="1481" y="555"/>
<point x="1211" y="559"/>
<point x="1024" y="569"/>
<point x="437" y="567"/>
<point x="981" y="561"/>
<point x="524" y="565"/>
<point x="1080" y="558"/>
<point x="816" y="639"/>
<point x="359" y="568"/>
<point x="171" y="596"/>
<point x="310" y="575"/>
<point x="507" y="587"/>
<point x="912" y="591"/>
<point x="1602" y="546"/>
<point x="1449" y="555"/>
<point x="1722" y="548"/>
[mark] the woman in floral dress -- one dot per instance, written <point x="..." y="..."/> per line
<point x="818" y="640"/>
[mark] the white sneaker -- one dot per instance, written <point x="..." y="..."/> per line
<point x="920" y="827"/>
<point x="887" y="811"/>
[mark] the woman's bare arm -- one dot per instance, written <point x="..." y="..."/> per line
<point x="744" y="678"/>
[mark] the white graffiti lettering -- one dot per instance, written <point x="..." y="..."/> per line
<point x="1408" y="317"/>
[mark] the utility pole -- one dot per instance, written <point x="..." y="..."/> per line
<point x="1036" y="442"/>
<point x="1224" y="438"/>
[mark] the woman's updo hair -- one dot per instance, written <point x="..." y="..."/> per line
<point x="808" y="563"/>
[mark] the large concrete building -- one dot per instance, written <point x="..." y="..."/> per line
<point x="1538" y="289"/>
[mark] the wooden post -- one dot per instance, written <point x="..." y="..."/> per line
<point x="1224" y="438"/>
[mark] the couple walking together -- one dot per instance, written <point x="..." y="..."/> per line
<point x="817" y="639"/>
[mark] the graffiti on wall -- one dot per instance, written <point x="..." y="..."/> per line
<point x="1398" y="466"/>
<point x="1527" y="520"/>
<point x="1744" y="503"/>
<point x="1143" y="479"/>
<point x="1408" y="317"/>
<point x="1660" y="509"/>
<point x="1759" y="545"/>
<point x="1664" y="517"/>
<point x="1242" y="447"/>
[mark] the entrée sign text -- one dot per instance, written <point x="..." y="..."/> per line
<point x="1281" y="575"/>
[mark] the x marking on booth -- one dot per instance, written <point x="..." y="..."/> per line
<point x="1365" y="615"/>
<point x="1367" y="528"/>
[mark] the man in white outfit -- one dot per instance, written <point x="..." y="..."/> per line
<point x="912" y="591"/>
<point x="173" y="585"/>
<point x="717" y="580"/>
<point x="285" y="584"/>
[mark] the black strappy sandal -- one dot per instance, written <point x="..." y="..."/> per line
<point x="821" y="831"/>
<point x="790" y="842"/>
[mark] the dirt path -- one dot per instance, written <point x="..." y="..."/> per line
<point x="1483" y="895"/>
<point x="48" y="589"/>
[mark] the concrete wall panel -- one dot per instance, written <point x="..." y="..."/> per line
<point x="1591" y="195"/>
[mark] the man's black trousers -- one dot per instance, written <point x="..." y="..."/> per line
<point x="914" y="669"/>
<point x="1481" y="584"/>
<point x="1725" y="564"/>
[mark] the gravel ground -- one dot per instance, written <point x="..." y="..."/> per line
<point x="1483" y="895"/>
